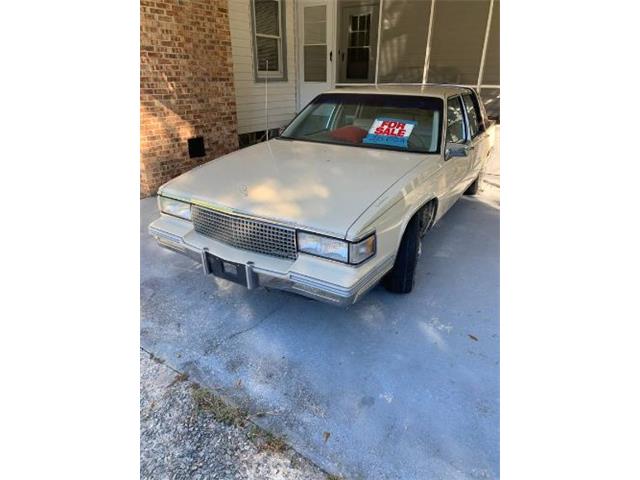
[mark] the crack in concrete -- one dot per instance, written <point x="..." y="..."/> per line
<point x="248" y="329"/>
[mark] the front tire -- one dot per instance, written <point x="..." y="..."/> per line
<point x="401" y="277"/>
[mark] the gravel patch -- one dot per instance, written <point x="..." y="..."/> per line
<point x="181" y="440"/>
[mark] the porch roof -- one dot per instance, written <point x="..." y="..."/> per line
<point x="426" y="90"/>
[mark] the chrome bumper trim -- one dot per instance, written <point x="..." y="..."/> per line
<point x="294" y="282"/>
<point x="165" y="235"/>
<point x="203" y="259"/>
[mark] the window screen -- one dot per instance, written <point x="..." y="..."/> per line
<point x="403" y="43"/>
<point x="491" y="74"/>
<point x="456" y="45"/>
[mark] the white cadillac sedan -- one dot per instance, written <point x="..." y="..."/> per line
<point x="340" y="200"/>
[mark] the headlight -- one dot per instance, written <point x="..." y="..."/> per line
<point x="323" y="246"/>
<point x="337" y="249"/>
<point x="174" y="207"/>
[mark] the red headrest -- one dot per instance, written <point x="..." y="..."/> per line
<point x="349" y="134"/>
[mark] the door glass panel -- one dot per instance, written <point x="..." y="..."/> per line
<point x="315" y="33"/>
<point x="315" y="44"/>
<point x="403" y="42"/>
<point x="315" y="63"/>
<point x="315" y="25"/>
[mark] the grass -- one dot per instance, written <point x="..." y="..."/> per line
<point x="266" y="441"/>
<point x="273" y="443"/>
<point x="206" y="401"/>
<point x="180" y="377"/>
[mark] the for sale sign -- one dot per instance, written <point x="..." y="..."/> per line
<point x="390" y="131"/>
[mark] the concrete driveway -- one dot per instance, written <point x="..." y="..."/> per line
<point x="392" y="387"/>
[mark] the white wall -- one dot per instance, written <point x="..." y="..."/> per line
<point x="249" y="93"/>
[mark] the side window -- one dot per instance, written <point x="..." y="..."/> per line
<point x="473" y="114"/>
<point x="269" y="35"/>
<point x="319" y="117"/>
<point x="455" y="120"/>
<point x="346" y="115"/>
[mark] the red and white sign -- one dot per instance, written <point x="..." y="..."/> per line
<point x="390" y="131"/>
<point x="391" y="128"/>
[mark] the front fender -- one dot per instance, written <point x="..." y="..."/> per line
<point x="392" y="211"/>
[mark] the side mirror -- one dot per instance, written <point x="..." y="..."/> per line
<point x="455" y="150"/>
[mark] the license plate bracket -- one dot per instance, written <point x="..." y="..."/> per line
<point x="234" y="272"/>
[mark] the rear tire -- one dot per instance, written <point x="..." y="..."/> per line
<point x="473" y="188"/>
<point x="401" y="277"/>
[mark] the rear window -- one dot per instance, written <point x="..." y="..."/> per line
<point x="396" y="122"/>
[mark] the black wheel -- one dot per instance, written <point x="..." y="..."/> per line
<point x="400" y="278"/>
<point x="473" y="188"/>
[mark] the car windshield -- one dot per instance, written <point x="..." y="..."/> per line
<point x="398" y="122"/>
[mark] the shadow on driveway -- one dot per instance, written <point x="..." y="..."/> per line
<point x="406" y="386"/>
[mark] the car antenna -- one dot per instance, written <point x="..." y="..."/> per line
<point x="266" y="100"/>
<point x="266" y="107"/>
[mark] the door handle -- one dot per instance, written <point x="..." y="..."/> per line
<point x="331" y="56"/>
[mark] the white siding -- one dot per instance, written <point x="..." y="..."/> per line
<point x="249" y="93"/>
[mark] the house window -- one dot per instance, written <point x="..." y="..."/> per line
<point x="268" y="45"/>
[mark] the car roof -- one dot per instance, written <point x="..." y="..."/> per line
<point x="426" y="90"/>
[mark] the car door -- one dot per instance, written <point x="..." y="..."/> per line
<point x="477" y="137"/>
<point x="456" y="168"/>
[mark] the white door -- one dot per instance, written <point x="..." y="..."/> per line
<point x="317" y="56"/>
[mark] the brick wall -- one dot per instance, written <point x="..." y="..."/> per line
<point x="186" y="86"/>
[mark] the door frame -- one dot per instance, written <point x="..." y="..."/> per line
<point x="299" y="43"/>
<point x="342" y="41"/>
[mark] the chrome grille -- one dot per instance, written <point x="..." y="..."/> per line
<point x="245" y="233"/>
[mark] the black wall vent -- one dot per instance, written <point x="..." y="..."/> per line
<point x="196" y="147"/>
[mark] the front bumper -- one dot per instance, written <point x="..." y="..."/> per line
<point x="320" y="279"/>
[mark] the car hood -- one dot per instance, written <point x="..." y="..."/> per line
<point x="319" y="186"/>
